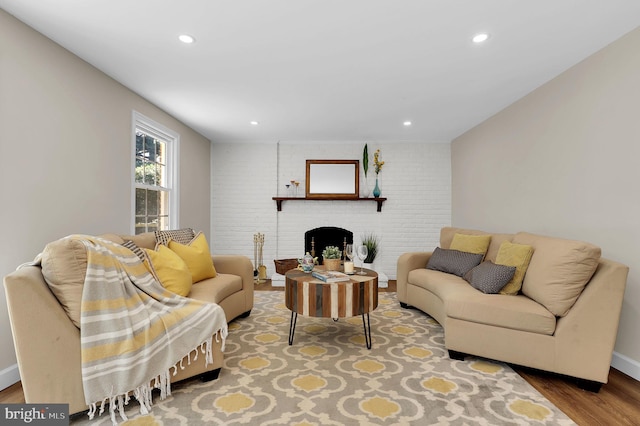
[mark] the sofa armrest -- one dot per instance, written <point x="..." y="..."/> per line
<point x="407" y="262"/>
<point x="241" y="266"/>
<point x="591" y="326"/>
<point x="47" y="343"/>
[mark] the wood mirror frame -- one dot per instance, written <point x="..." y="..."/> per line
<point x="332" y="179"/>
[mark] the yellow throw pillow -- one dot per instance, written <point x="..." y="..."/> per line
<point x="518" y="255"/>
<point x="476" y="244"/>
<point x="197" y="257"/>
<point x="172" y="272"/>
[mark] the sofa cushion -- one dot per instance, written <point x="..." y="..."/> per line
<point x="145" y="240"/>
<point x="197" y="257"/>
<point x="466" y="303"/>
<point x="489" y="278"/>
<point x="447" y="234"/>
<point x="64" y="266"/>
<point x="439" y="283"/>
<point x="518" y="255"/>
<point x="559" y="270"/>
<point x="216" y="289"/>
<point x="513" y="312"/>
<point x="477" y="244"/>
<point x="169" y="269"/>
<point x="453" y="261"/>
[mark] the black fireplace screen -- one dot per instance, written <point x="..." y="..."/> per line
<point x="315" y="240"/>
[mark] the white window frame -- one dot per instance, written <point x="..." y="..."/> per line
<point x="172" y="139"/>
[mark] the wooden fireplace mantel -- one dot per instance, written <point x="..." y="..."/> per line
<point x="279" y="200"/>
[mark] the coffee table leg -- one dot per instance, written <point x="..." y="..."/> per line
<point x="292" y="326"/>
<point x="367" y="331"/>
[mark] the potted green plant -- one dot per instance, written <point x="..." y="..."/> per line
<point x="371" y="241"/>
<point x="331" y="256"/>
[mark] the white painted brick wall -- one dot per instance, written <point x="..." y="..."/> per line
<point x="416" y="179"/>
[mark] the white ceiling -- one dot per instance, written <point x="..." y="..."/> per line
<point x="331" y="70"/>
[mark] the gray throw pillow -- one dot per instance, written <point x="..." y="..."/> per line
<point x="489" y="278"/>
<point x="453" y="261"/>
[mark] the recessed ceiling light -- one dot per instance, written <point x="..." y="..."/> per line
<point x="406" y="123"/>
<point x="254" y="123"/>
<point x="479" y="38"/>
<point x="186" y="38"/>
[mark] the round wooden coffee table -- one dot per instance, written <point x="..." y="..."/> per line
<point x="306" y="295"/>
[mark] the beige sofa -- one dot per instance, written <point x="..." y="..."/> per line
<point x="47" y="341"/>
<point x="544" y="326"/>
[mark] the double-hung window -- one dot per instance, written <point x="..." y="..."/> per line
<point x="155" y="198"/>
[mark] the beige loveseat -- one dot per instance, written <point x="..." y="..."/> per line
<point x="47" y="341"/>
<point x="563" y="320"/>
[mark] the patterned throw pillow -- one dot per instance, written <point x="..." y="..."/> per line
<point x="136" y="249"/>
<point x="182" y="236"/>
<point x="490" y="278"/>
<point x="453" y="261"/>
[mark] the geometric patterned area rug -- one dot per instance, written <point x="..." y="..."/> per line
<point x="328" y="377"/>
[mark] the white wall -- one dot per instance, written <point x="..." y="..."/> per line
<point x="563" y="161"/>
<point x="415" y="179"/>
<point x="65" y="156"/>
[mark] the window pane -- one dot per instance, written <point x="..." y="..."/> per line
<point x="139" y="144"/>
<point x="149" y="173"/>
<point x="139" y="170"/>
<point x="141" y="202"/>
<point x="161" y="175"/>
<point x="160" y="147"/>
<point x="153" y="197"/>
<point x="150" y="149"/>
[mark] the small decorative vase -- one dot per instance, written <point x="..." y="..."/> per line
<point x="376" y="190"/>
<point x="306" y="263"/>
<point x="365" y="190"/>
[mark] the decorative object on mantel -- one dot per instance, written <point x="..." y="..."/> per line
<point x="293" y="188"/>
<point x="378" y="166"/>
<point x="365" y="167"/>
<point x="332" y="256"/>
<point x="260" y="269"/>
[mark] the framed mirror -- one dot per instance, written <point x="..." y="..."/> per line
<point x="332" y="179"/>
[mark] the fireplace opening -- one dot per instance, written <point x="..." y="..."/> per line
<point x="315" y="240"/>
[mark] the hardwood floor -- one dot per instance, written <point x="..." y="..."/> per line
<point x="617" y="403"/>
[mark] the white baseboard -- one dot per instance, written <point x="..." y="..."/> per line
<point x="627" y="365"/>
<point x="9" y="376"/>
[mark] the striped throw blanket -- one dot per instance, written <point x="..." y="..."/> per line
<point x="133" y="331"/>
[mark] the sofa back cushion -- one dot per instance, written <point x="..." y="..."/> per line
<point x="447" y="234"/>
<point x="64" y="266"/>
<point x="559" y="270"/>
<point x="145" y="240"/>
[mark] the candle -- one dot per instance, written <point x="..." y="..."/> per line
<point x="348" y="267"/>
